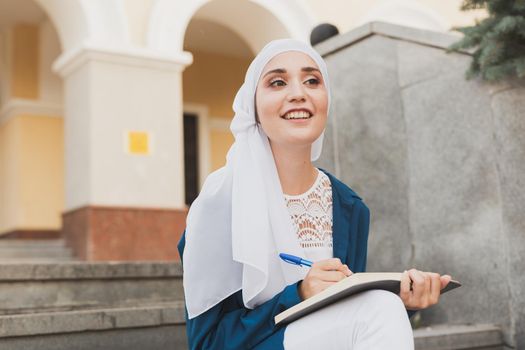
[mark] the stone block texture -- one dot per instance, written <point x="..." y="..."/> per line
<point x="440" y="161"/>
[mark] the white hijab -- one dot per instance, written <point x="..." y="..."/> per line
<point x="239" y="223"/>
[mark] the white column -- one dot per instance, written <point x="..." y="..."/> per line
<point x="107" y="94"/>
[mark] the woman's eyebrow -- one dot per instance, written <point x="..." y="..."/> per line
<point x="283" y="71"/>
<point x="277" y="70"/>
<point x="310" y="69"/>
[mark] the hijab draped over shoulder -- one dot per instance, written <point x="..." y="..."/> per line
<point x="239" y="223"/>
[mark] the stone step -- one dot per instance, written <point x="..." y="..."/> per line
<point x="75" y="285"/>
<point x="452" y="337"/>
<point x="34" y="260"/>
<point x="154" y="326"/>
<point x="34" y="250"/>
<point x="15" y="243"/>
<point x="28" y="253"/>
<point x="135" y="305"/>
<point x="161" y="326"/>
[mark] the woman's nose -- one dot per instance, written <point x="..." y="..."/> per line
<point x="296" y="92"/>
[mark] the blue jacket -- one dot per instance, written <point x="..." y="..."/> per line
<point x="230" y="325"/>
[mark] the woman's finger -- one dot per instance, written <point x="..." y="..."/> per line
<point x="329" y="264"/>
<point x="346" y="270"/>
<point x="445" y="279"/>
<point x="425" y="297"/>
<point x="333" y="264"/>
<point x="325" y="285"/>
<point x="428" y="284"/>
<point x="435" y="288"/>
<point x="331" y="276"/>
<point x="418" y="284"/>
<point x="404" y="292"/>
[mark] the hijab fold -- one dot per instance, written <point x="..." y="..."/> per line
<point x="239" y="223"/>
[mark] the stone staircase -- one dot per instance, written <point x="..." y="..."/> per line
<point x="80" y="305"/>
<point x="133" y="305"/>
<point x="34" y="250"/>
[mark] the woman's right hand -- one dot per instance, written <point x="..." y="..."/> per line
<point x="322" y="275"/>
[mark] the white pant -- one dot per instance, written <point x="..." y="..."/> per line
<point x="374" y="319"/>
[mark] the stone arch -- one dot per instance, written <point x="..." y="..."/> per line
<point x="235" y="31"/>
<point x="69" y="19"/>
<point x="258" y="22"/>
<point x="408" y="13"/>
<point x="81" y="22"/>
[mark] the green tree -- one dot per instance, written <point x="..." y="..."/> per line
<point x="498" y="40"/>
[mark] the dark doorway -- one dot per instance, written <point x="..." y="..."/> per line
<point x="191" y="157"/>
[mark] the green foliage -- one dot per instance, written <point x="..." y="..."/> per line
<point x="498" y="40"/>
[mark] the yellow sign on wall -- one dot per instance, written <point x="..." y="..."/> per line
<point x="138" y="142"/>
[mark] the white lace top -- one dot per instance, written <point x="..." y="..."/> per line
<point x="311" y="214"/>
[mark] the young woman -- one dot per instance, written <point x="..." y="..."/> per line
<point x="270" y="199"/>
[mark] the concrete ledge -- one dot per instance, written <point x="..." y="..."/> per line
<point x="448" y="337"/>
<point x="91" y="320"/>
<point x="420" y="36"/>
<point x="88" y="270"/>
<point x="416" y="35"/>
<point x="339" y="42"/>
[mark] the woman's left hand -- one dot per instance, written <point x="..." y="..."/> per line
<point x="426" y="288"/>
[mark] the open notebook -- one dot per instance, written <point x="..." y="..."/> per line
<point x="358" y="282"/>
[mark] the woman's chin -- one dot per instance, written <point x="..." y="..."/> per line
<point x="303" y="138"/>
<point x="297" y="141"/>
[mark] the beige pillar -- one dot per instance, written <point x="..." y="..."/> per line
<point x="124" y="176"/>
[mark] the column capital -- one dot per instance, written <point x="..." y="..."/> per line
<point x="73" y="59"/>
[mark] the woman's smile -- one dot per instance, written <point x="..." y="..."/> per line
<point x="298" y="114"/>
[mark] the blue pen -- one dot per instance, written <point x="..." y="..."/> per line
<point x="295" y="260"/>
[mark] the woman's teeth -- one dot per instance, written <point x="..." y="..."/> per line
<point x="297" y="115"/>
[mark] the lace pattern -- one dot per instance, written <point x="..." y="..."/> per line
<point x="311" y="214"/>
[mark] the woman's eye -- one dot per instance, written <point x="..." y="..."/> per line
<point x="277" y="82"/>
<point x="313" y="81"/>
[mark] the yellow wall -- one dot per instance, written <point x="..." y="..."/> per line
<point x="220" y="142"/>
<point x="24" y="61"/>
<point x="31" y="173"/>
<point x="9" y="181"/>
<point x="213" y="80"/>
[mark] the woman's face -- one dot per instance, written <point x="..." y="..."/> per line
<point x="291" y="100"/>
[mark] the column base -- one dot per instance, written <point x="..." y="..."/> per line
<point x="114" y="233"/>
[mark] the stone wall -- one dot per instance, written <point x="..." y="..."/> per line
<point x="439" y="160"/>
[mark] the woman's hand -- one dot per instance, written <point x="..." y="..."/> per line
<point x="322" y="275"/>
<point x="426" y="288"/>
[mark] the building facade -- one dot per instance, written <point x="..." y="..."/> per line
<point x="113" y="112"/>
